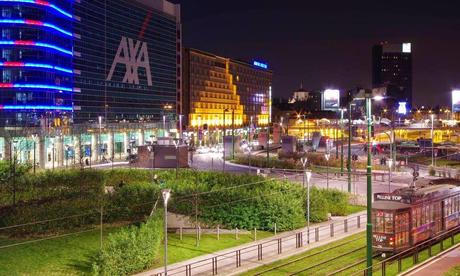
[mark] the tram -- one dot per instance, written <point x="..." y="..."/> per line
<point x="411" y="215"/>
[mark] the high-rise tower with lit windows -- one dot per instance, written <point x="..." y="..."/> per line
<point x="36" y="62"/>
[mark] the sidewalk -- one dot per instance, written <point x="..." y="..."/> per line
<point x="238" y="259"/>
<point x="438" y="265"/>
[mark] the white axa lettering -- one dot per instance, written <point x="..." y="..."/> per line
<point x="133" y="55"/>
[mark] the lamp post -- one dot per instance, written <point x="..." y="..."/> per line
<point x="176" y="144"/>
<point x="341" y="140"/>
<point x="164" y="125"/>
<point x="166" y="194"/>
<point x="52" y="151"/>
<point x="66" y="156"/>
<point x="432" y="140"/>
<point x="99" y="147"/>
<point x="307" y="177"/>
<point x="249" y="157"/>
<point x="390" y="165"/>
<point x="368" y="98"/>
<point x="34" y="138"/>
<point x="223" y="143"/>
<point x="327" y="155"/>
<point x="349" y="147"/>
<point x="180" y="128"/>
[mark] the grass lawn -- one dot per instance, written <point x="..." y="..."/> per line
<point x="72" y="255"/>
<point x="454" y="271"/>
<point x="351" y="209"/>
<point x="340" y="260"/>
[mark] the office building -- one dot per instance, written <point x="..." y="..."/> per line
<point x="222" y="91"/>
<point x="392" y="69"/>
<point x="76" y="61"/>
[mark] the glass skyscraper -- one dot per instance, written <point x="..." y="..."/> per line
<point x="78" y="60"/>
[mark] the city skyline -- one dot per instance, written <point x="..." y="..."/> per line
<point x="330" y="45"/>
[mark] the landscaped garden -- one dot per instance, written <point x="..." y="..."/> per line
<point x="50" y="221"/>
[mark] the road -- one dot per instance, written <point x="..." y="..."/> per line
<point x="213" y="161"/>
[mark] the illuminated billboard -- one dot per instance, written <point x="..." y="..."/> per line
<point x="455" y="100"/>
<point x="331" y="99"/>
<point x="402" y="108"/>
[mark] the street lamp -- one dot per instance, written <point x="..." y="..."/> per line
<point x="341" y="140"/>
<point x="367" y="96"/>
<point x="166" y="194"/>
<point x="34" y="138"/>
<point x="308" y="176"/>
<point x="432" y="140"/>
<point x="390" y="165"/>
<point x="99" y="151"/>
<point x="164" y="125"/>
<point x="327" y="155"/>
<point x="52" y="151"/>
<point x="176" y="144"/>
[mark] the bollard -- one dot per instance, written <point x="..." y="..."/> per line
<point x="236" y="233"/>
<point x="275" y="229"/>
<point x="180" y="233"/>
<point x="332" y="229"/>
<point x="345" y="225"/>
<point x="218" y="232"/>
<point x="317" y="234"/>
<point x="359" y="221"/>
<point x="255" y="234"/>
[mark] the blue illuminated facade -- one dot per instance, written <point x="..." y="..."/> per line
<point x="78" y="60"/>
<point x="36" y="62"/>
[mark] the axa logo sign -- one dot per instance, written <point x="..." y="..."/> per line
<point x="133" y="55"/>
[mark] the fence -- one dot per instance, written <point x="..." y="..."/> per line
<point x="398" y="259"/>
<point x="228" y="261"/>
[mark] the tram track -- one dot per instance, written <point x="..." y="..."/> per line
<point x="316" y="254"/>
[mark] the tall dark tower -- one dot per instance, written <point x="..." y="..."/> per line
<point x="392" y="68"/>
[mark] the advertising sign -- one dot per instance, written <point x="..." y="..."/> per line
<point x="331" y="99"/>
<point x="455" y="100"/>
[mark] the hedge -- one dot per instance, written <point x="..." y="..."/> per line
<point x="228" y="200"/>
<point x="131" y="249"/>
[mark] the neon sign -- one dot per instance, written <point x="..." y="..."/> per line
<point x="260" y="64"/>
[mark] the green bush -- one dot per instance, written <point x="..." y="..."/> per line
<point x="337" y="201"/>
<point x="318" y="205"/>
<point x="131" y="249"/>
<point x="242" y="201"/>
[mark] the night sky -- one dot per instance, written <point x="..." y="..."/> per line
<point x="327" y="44"/>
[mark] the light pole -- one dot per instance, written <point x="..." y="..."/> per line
<point x="349" y="147"/>
<point x="166" y="194"/>
<point x="307" y="176"/>
<point x="327" y="155"/>
<point x="390" y="165"/>
<point x="368" y="97"/>
<point x="34" y="138"/>
<point x="99" y="147"/>
<point x="180" y="127"/>
<point x="176" y="144"/>
<point x="223" y="143"/>
<point x="52" y="151"/>
<point x="432" y="140"/>
<point x="164" y="125"/>
<point x="341" y="140"/>
<point x="249" y="157"/>
<point x="66" y="156"/>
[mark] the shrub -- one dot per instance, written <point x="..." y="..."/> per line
<point x="131" y="249"/>
<point x="256" y="203"/>
<point x="337" y="201"/>
<point x="318" y="205"/>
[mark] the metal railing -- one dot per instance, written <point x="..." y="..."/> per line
<point x="260" y="251"/>
<point x="413" y="252"/>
